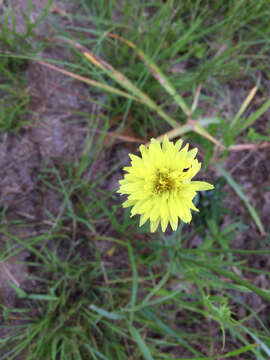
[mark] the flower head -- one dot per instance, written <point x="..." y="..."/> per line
<point x="159" y="186"/>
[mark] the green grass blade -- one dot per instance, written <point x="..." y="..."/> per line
<point x="140" y="342"/>
<point x="242" y="196"/>
<point x="229" y="274"/>
<point x="88" y="81"/>
<point x="254" y="117"/>
<point x="134" y="282"/>
<point x="239" y="351"/>
<point x="244" y="106"/>
<point x="161" y="283"/>
<point x="158" y="74"/>
<point x="104" y="313"/>
<point x="151" y="315"/>
<point x="265" y="348"/>
<point x="123" y="81"/>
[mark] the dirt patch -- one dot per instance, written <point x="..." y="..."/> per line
<point x="14" y="271"/>
<point x="250" y="170"/>
<point x="57" y="133"/>
<point x="35" y="13"/>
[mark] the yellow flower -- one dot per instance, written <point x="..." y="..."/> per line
<point x="159" y="186"/>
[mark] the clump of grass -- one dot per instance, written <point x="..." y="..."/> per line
<point x="14" y="105"/>
<point x="197" y="43"/>
<point x="15" y="47"/>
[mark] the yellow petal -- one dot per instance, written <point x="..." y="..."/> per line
<point x="164" y="223"/>
<point x="173" y="211"/>
<point x="128" y="203"/>
<point x="192" y="153"/>
<point x="183" y="211"/>
<point x="201" y="185"/>
<point x="178" y="144"/>
<point x="155" y="212"/>
<point x="143" y="219"/>
<point x="154" y="225"/>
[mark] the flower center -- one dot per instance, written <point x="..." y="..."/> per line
<point x="163" y="182"/>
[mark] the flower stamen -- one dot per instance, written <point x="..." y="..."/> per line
<point x="163" y="183"/>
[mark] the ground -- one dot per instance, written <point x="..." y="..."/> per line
<point x="57" y="132"/>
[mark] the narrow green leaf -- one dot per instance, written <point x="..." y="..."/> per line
<point x="241" y="350"/>
<point x="105" y="313"/>
<point x="42" y="297"/>
<point x="94" y="352"/>
<point x="265" y="294"/>
<point x="21" y="293"/>
<point x="140" y="342"/>
<point x="244" y="106"/>
<point x="242" y="196"/>
<point x="254" y="116"/>
<point x="89" y="81"/>
<point x="157" y="288"/>
<point x="151" y="315"/>
<point x="123" y="81"/>
<point x="134" y="282"/>
<point x="158" y="74"/>
<point x="259" y="342"/>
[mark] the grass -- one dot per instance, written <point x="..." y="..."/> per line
<point x="101" y="287"/>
